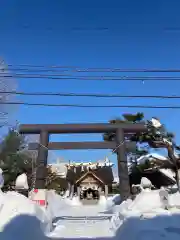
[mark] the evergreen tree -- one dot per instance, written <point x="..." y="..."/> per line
<point x="155" y="136"/>
<point x="13" y="161"/>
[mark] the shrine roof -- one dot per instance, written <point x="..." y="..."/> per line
<point x="104" y="173"/>
<point x="86" y="175"/>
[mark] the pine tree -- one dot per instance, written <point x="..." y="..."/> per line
<point x="13" y="160"/>
<point x="155" y="137"/>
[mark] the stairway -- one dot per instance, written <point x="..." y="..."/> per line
<point x="82" y="227"/>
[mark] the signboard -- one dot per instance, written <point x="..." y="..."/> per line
<point x="39" y="196"/>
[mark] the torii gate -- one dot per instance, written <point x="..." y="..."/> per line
<point x="122" y="147"/>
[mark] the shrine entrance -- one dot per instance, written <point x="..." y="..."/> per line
<point x="119" y="145"/>
<point x="90" y="194"/>
<point x="90" y="186"/>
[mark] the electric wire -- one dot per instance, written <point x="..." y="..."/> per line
<point x="96" y="95"/>
<point x="90" y="106"/>
<point x="91" y="78"/>
<point x="107" y="69"/>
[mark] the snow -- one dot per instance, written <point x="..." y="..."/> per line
<point x="151" y="156"/>
<point x="102" y="200"/>
<point x="146" y="218"/>
<point x="112" y="201"/>
<point x="20" y="218"/>
<point x="168" y="172"/>
<point x="1" y="178"/>
<point x="145" y="183"/>
<point x="153" y="214"/>
<point x="143" y="218"/>
<point x="14" y="204"/>
<point x="21" y="182"/>
<point x="74" y="201"/>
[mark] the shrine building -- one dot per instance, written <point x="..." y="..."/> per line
<point x="90" y="180"/>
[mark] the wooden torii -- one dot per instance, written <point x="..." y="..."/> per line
<point x="120" y="145"/>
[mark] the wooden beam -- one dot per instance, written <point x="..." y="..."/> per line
<point x="80" y="128"/>
<point x="81" y="145"/>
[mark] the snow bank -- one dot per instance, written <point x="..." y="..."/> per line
<point x="55" y="203"/>
<point x="119" y="214"/>
<point x="146" y="201"/>
<point x="13" y="205"/>
<point x="116" y="199"/>
<point x="110" y="202"/>
<point x="145" y="218"/>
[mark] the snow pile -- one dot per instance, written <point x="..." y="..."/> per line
<point x="145" y="183"/>
<point x="152" y="215"/>
<point x="55" y="203"/>
<point x="22" y="182"/>
<point x="116" y="199"/>
<point x="119" y="214"/>
<point x="102" y="201"/>
<point x="110" y="202"/>
<point x="14" y="204"/>
<point x="146" y="201"/>
<point x="174" y="200"/>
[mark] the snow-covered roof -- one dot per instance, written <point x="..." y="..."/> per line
<point x="91" y="164"/>
<point x="59" y="168"/>
<point x="168" y="173"/>
<point x="151" y="156"/>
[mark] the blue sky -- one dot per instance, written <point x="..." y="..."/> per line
<point x="136" y="34"/>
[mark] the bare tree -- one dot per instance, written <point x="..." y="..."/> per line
<point x="7" y="84"/>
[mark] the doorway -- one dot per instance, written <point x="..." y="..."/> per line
<point x="90" y="194"/>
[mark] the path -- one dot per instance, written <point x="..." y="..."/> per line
<point x="82" y="222"/>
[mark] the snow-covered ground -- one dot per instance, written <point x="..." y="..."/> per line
<point x="149" y="216"/>
<point x="143" y="218"/>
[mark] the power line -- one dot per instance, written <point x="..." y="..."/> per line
<point x="41" y="66"/>
<point x="90" y="106"/>
<point x="78" y="70"/>
<point x="99" y="69"/>
<point x="53" y="69"/>
<point x="89" y="95"/>
<point x="92" y="78"/>
<point x="129" y="70"/>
